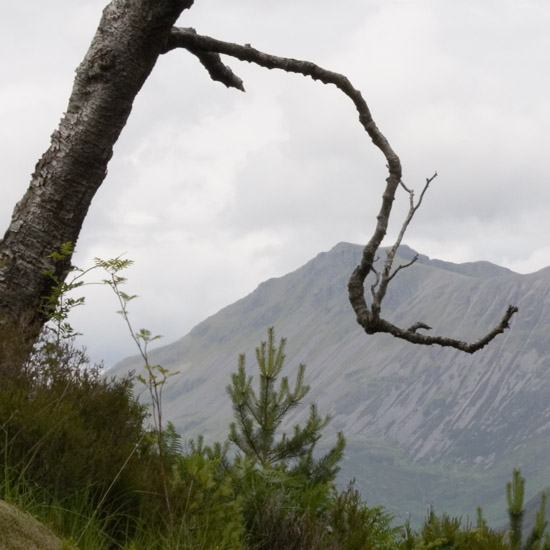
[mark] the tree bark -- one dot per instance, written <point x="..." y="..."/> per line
<point x="130" y="37"/>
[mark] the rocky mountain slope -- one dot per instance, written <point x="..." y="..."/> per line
<point x="424" y="425"/>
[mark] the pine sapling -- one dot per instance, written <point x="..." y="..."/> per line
<point x="260" y="413"/>
<point x="515" y="491"/>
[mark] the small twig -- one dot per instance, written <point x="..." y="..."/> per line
<point x="418" y="325"/>
<point x="402" y="266"/>
<point x="219" y="71"/>
<point x="412" y="211"/>
<point x="376" y="281"/>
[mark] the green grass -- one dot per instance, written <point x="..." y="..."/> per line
<point x="73" y="520"/>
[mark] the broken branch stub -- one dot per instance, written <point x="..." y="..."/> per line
<point x="208" y="50"/>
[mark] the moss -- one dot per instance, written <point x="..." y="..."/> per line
<point x="20" y="531"/>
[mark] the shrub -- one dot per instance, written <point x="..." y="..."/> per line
<point x="64" y="428"/>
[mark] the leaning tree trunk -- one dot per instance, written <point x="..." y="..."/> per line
<point x="128" y="41"/>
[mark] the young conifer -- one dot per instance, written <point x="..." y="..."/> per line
<point x="515" y="491"/>
<point x="259" y="414"/>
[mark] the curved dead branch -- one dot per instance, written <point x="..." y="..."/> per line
<point x="208" y="51"/>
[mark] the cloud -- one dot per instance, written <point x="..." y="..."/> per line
<point x="211" y="191"/>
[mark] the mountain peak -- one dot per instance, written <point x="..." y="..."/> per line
<point x="481" y="269"/>
<point x="428" y="414"/>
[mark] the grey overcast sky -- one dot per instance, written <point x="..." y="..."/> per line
<point x="212" y="191"/>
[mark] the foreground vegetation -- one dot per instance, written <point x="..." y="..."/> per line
<point x="78" y="453"/>
<point x="104" y="471"/>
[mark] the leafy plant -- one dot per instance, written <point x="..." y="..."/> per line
<point x="59" y="303"/>
<point x="156" y="375"/>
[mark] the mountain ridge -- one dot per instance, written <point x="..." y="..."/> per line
<point x="457" y="424"/>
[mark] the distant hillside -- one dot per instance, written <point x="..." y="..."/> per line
<point x="424" y="425"/>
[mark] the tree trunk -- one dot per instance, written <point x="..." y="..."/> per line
<point x="128" y="41"/>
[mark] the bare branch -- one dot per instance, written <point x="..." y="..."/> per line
<point x="188" y="39"/>
<point x="403" y="266"/>
<point x="376" y="280"/>
<point x="217" y="70"/>
<point x="390" y="254"/>
<point x="369" y="318"/>
<point x="410" y="336"/>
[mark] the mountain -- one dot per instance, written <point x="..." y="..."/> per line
<point x="425" y="425"/>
